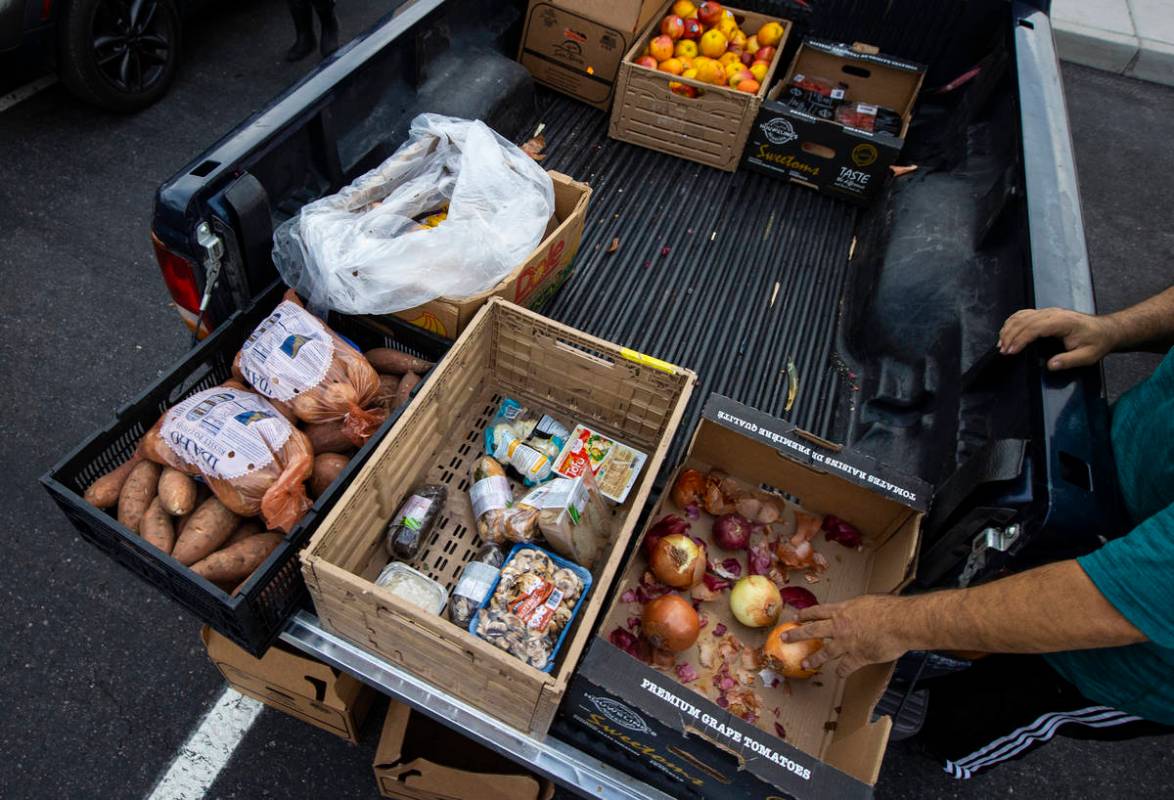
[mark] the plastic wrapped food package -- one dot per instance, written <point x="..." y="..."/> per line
<point x="531" y="607"/>
<point x="524" y="440"/>
<point x="413" y="587"/>
<point x="499" y="518"/>
<point x="292" y="357"/>
<point x="253" y="459"/>
<point x="474" y="585"/>
<point x="414" y="520"/>
<point x="362" y="250"/>
<point x="573" y="518"/>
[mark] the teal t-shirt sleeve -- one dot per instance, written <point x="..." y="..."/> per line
<point x="1136" y="575"/>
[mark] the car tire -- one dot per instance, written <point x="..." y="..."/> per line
<point x="118" y="54"/>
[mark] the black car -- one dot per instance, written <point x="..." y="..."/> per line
<point x="118" y="54"/>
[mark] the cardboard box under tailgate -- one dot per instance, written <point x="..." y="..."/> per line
<point x="506" y="351"/>
<point x="420" y="759"/>
<point x="294" y="684"/>
<point x="809" y="738"/>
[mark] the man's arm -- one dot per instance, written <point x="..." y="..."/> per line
<point x="1149" y="325"/>
<point x="1044" y="610"/>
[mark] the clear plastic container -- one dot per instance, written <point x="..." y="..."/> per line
<point x="413" y="587"/>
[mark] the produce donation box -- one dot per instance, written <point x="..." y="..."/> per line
<point x="688" y="684"/>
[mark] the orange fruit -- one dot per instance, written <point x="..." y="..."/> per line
<point x="661" y="47"/>
<point x="713" y="43"/>
<point x="709" y="71"/>
<point x="673" y="66"/>
<point x="750" y="86"/>
<point x="685" y="48"/>
<point x="770" y="34"/>
<point x="683" y="8"/>
<point x="686" y="62"/>
<point x="759" y="69"/>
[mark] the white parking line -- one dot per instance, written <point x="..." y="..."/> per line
<point x="208" y="748"/>
<point x="23" y="93"/>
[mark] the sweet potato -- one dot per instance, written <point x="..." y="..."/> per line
<point x="237" y="561"/>
<point x="157" y="528"/>
<point x="406" y="384"/>
<point x="103" y="492"/>
<point x="137" y="493"/>
<point x="388" y="392"/>
<point x="247" y="528"/>
<point x="177" y="492"/>
<point x="209" y="527"/>
<point x="393" y="362"/>
<point x="328" y="437"/>
<point x="327" y="467"/>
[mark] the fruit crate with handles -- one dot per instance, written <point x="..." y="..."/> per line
<point x="254" y="615"/>
<point x="710" y="128"/>
<point x="550" y="368"/>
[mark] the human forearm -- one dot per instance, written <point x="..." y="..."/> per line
<point x="1044" y="610"/>
<point x="1149" y="325"/>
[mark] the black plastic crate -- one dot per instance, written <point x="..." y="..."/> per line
<point x="254" y="616"/>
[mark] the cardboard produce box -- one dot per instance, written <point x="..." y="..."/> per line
<point x="534" y="281"/>
<point x="294" y="684"/>
<point x="814" y="149"/>
<point x="550" y="368"/>
<point x="810" y="738"/>
<point x="576" y="47"/>
<point x="419" y="759"/>
<point x="710" y="128"/>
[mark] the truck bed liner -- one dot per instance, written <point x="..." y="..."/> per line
<point x="731" y="275"/>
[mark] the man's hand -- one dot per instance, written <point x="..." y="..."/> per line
<point x="861" y="631"/>
<point x="1087" y="339"/>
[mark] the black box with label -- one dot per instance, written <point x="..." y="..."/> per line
<point x="800" y="133"/>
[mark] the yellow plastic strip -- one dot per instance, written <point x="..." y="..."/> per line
<point x="648" y="361"/>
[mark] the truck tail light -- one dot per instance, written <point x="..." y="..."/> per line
<point x="180" y="276"/>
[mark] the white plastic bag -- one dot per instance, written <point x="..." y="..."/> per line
<point x="362" y="251"/>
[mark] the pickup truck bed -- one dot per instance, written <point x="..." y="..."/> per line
<point x="888" y="313"/>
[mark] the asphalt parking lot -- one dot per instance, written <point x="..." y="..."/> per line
<point x="103" y="679"/>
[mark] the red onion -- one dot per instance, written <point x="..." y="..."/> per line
<point x="633" y="624"/>
<point x="730" y="568"/>
<point x="841" y="532"/>
<point x="731" y="531"/>
<point x="666" y="525"/>
<point x="686" y="673"/>
<point x="798" y="597"/>
<point x="719" y="629"/>
<point x="780" y="731"/>
<point x="627" y="642"/>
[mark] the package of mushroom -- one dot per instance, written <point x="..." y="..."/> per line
<point x="688" y="674"/>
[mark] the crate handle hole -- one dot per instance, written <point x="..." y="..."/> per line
<point x="583" y="352"/>
<point x="858" y="71"/>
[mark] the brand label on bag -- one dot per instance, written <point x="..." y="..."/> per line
<point x="288" y="353"/>
<point x="226" y="433"/>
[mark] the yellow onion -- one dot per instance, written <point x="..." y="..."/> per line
<point x="670" y="623"/>
<point x="787" y="657"/>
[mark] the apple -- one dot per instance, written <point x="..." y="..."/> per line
<point x="740" y="75"/>
<point x="672" y="26"/>
<point x="709" y="13"/>
<point x="693" y="30"/>
<point x="661" y="47"/>
<point x="647" y="61"/>
<point x="766" y="54"/>
<point x="747" y="58"/>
